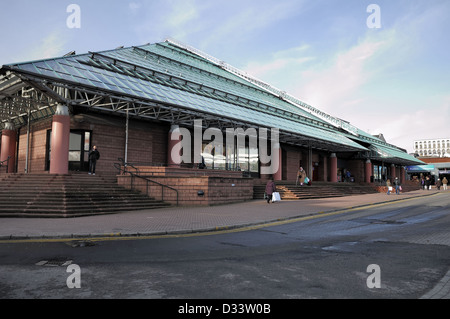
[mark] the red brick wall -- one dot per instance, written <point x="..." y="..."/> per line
<point x="38" y="140"/>
<point x="217" y="190"/>
<point x="147" y="142"/>
<point x="293" y="158"/>
<point x="357" y="169"/>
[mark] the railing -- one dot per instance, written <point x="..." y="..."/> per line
<point x="123" y="171"/>
<point x="2" y="163"/>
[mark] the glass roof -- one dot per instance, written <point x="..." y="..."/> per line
<point x="166" y="73"/>
<point x="385" y="152"/>
<point x="73" y="69"/>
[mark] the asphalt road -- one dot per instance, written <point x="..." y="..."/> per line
<point x="322" y="257"/>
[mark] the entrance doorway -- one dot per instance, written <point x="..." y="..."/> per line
<point x="79" y="146"/>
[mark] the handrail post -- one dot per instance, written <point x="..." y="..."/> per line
<point x="133" y="175"/>
<point x="7" y="164"/>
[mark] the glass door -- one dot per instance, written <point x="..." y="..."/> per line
<point x="79" y="146"/>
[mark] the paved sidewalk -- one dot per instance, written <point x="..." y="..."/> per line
<point x="182" y="220"/>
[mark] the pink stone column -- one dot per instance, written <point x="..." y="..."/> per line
<point x="402" y="175"/>
<point x="368" y="170"/>
<point x="393" y="173"/>
<point x="8" y="149"/>
<point x="324" y="169"/>
<point x="333" y="168"/>
<point x="173" y="149"/>
<point x="59" y="157"/>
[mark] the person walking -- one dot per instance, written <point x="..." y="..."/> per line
<point x="270" y="189"/>
<point x="444" y="183"/>
<point x="397" y="185"/>
<point x="428" y="183"/>
<point x="94" y="156"/>
<point x="301" y="174"/>
<point x="438" y="184"/>
<point x="389" y="186"/>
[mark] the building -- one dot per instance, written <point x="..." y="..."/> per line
<point x="435" y="167"/>
<point x="432" y="147"/>
<point x="134" y="103"/>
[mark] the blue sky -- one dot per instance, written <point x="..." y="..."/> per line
<point x="393" y="80"/>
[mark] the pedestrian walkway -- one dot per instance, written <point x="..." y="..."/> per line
<point x="183" y="220"/>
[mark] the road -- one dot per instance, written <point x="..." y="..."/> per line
<point x="328" y="256"/>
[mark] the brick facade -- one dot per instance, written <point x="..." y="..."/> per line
<point x="147" y="142"/>
<point x="215" y="189"/>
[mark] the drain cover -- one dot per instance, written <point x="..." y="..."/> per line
<point x="54" y="263"/>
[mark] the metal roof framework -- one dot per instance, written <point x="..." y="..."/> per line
<point x="44" y="95"/>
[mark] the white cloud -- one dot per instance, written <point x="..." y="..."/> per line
<point x="335" y="87"/>
<point x="244" y="18"/>
<point x="49" y="47"/>
<point x="182" y="13"/>
<point x="280" y="63"/>
<point x="169" y="18"/>
<point x="427" y="122"/>
<point x="134" y="6"/>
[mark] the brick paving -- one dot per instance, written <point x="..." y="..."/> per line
<point x="176" y="220"/>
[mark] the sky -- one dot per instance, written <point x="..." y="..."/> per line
<point x="382" y="65"/>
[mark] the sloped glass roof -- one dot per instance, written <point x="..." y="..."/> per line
<point x="393" y="154"/>
<point x="80" y="69"/>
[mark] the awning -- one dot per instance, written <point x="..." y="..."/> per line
<point x="431" y="169"/>
<point x="393" y="155"/>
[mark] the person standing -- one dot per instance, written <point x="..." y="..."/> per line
<point x="94" y="156"/>
<point x="270" y="189"/>
<point x="397" y="186"/>
<point x="444" y="183"/>
<point x="389" y="186"/>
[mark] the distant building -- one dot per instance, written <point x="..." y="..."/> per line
<point x="432" y="147"/>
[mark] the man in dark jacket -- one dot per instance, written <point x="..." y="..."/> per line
<point x="397" y="185"/>
<point x="94" y="155"/>
<point x="270" y="189"/>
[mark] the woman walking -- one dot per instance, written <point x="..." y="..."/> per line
<point x="301" y="174"/>
<point x="270" y="189"/>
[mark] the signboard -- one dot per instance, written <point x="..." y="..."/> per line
<point x="420" y="168"/>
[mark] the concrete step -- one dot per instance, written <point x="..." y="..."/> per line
<point x="44" y="195"/>
<point x="290" y="191"/>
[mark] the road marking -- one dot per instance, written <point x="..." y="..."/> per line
<point x="218" y="230"/>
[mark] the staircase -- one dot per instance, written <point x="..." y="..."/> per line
<point x="74" y="195"/>
<point x="289" y="191"/>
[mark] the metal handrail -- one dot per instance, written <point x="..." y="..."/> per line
<point x="133" y="175"/>
<point x="7" y="163"/>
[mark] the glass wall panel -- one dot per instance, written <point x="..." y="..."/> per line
<point x="253" y="160"/>
<point x="229" y="157"/>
